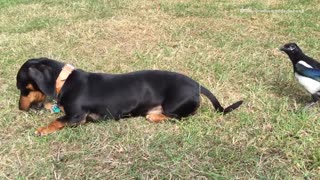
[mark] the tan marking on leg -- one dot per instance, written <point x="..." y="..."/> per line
<point x="52" y="127"/>
<point x="156" y="118"/>
<point x="155" y="114"/>
<point x="155" y="110"/>
<point x="93" y="117"/>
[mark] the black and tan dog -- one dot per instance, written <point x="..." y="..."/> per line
<point x="158" y="95"/>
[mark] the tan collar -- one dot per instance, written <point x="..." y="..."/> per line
<point x="64" y="74"/>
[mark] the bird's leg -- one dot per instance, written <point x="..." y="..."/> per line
<point x="315" y="98"/>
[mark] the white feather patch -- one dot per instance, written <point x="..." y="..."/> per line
<point x="312" y="86"/>
<point x="305" y="64"/>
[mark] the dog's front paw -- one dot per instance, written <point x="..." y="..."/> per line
<point x="42" y="131"/>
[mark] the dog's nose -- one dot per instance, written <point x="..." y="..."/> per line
<point x="22" y="108"/>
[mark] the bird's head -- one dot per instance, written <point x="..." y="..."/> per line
<point x="291" y="49"/>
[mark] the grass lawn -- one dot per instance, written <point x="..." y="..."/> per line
<point x="231" y="47"/>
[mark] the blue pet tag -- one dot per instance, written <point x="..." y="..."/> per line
<point x="55" y="108"/>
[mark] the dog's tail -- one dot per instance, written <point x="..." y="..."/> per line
<point x="216" y="103"/>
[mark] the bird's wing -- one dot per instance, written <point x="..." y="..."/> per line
<point x="314" y="63"/>
<point x="308" y="72"/>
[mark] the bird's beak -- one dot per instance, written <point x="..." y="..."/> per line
<point x="282" y="48"/>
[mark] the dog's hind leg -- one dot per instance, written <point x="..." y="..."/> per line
<point x="178" y="107"/>
<point x="156" y="115"/>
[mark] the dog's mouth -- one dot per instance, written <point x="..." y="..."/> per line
<point x="37" y="105"/>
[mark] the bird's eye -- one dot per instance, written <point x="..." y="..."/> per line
<point x="291" y="48"/>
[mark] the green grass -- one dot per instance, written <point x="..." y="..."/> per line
<point x="233" y="53"/>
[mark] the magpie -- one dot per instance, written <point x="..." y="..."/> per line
<point x="306" y="70"/>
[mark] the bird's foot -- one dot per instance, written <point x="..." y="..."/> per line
<point x="309" y="105"/>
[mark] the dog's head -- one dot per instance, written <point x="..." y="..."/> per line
<point x="36" y="80"/>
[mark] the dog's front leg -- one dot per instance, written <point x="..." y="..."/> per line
<point x="61" y="123"/>
<point x="52" y="127"/>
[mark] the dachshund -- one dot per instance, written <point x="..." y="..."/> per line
<point x="154" y="94"/>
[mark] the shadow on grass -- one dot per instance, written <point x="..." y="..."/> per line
<point x="290" y="90"/>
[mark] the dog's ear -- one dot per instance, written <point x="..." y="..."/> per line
<point x="42" y="76"/>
